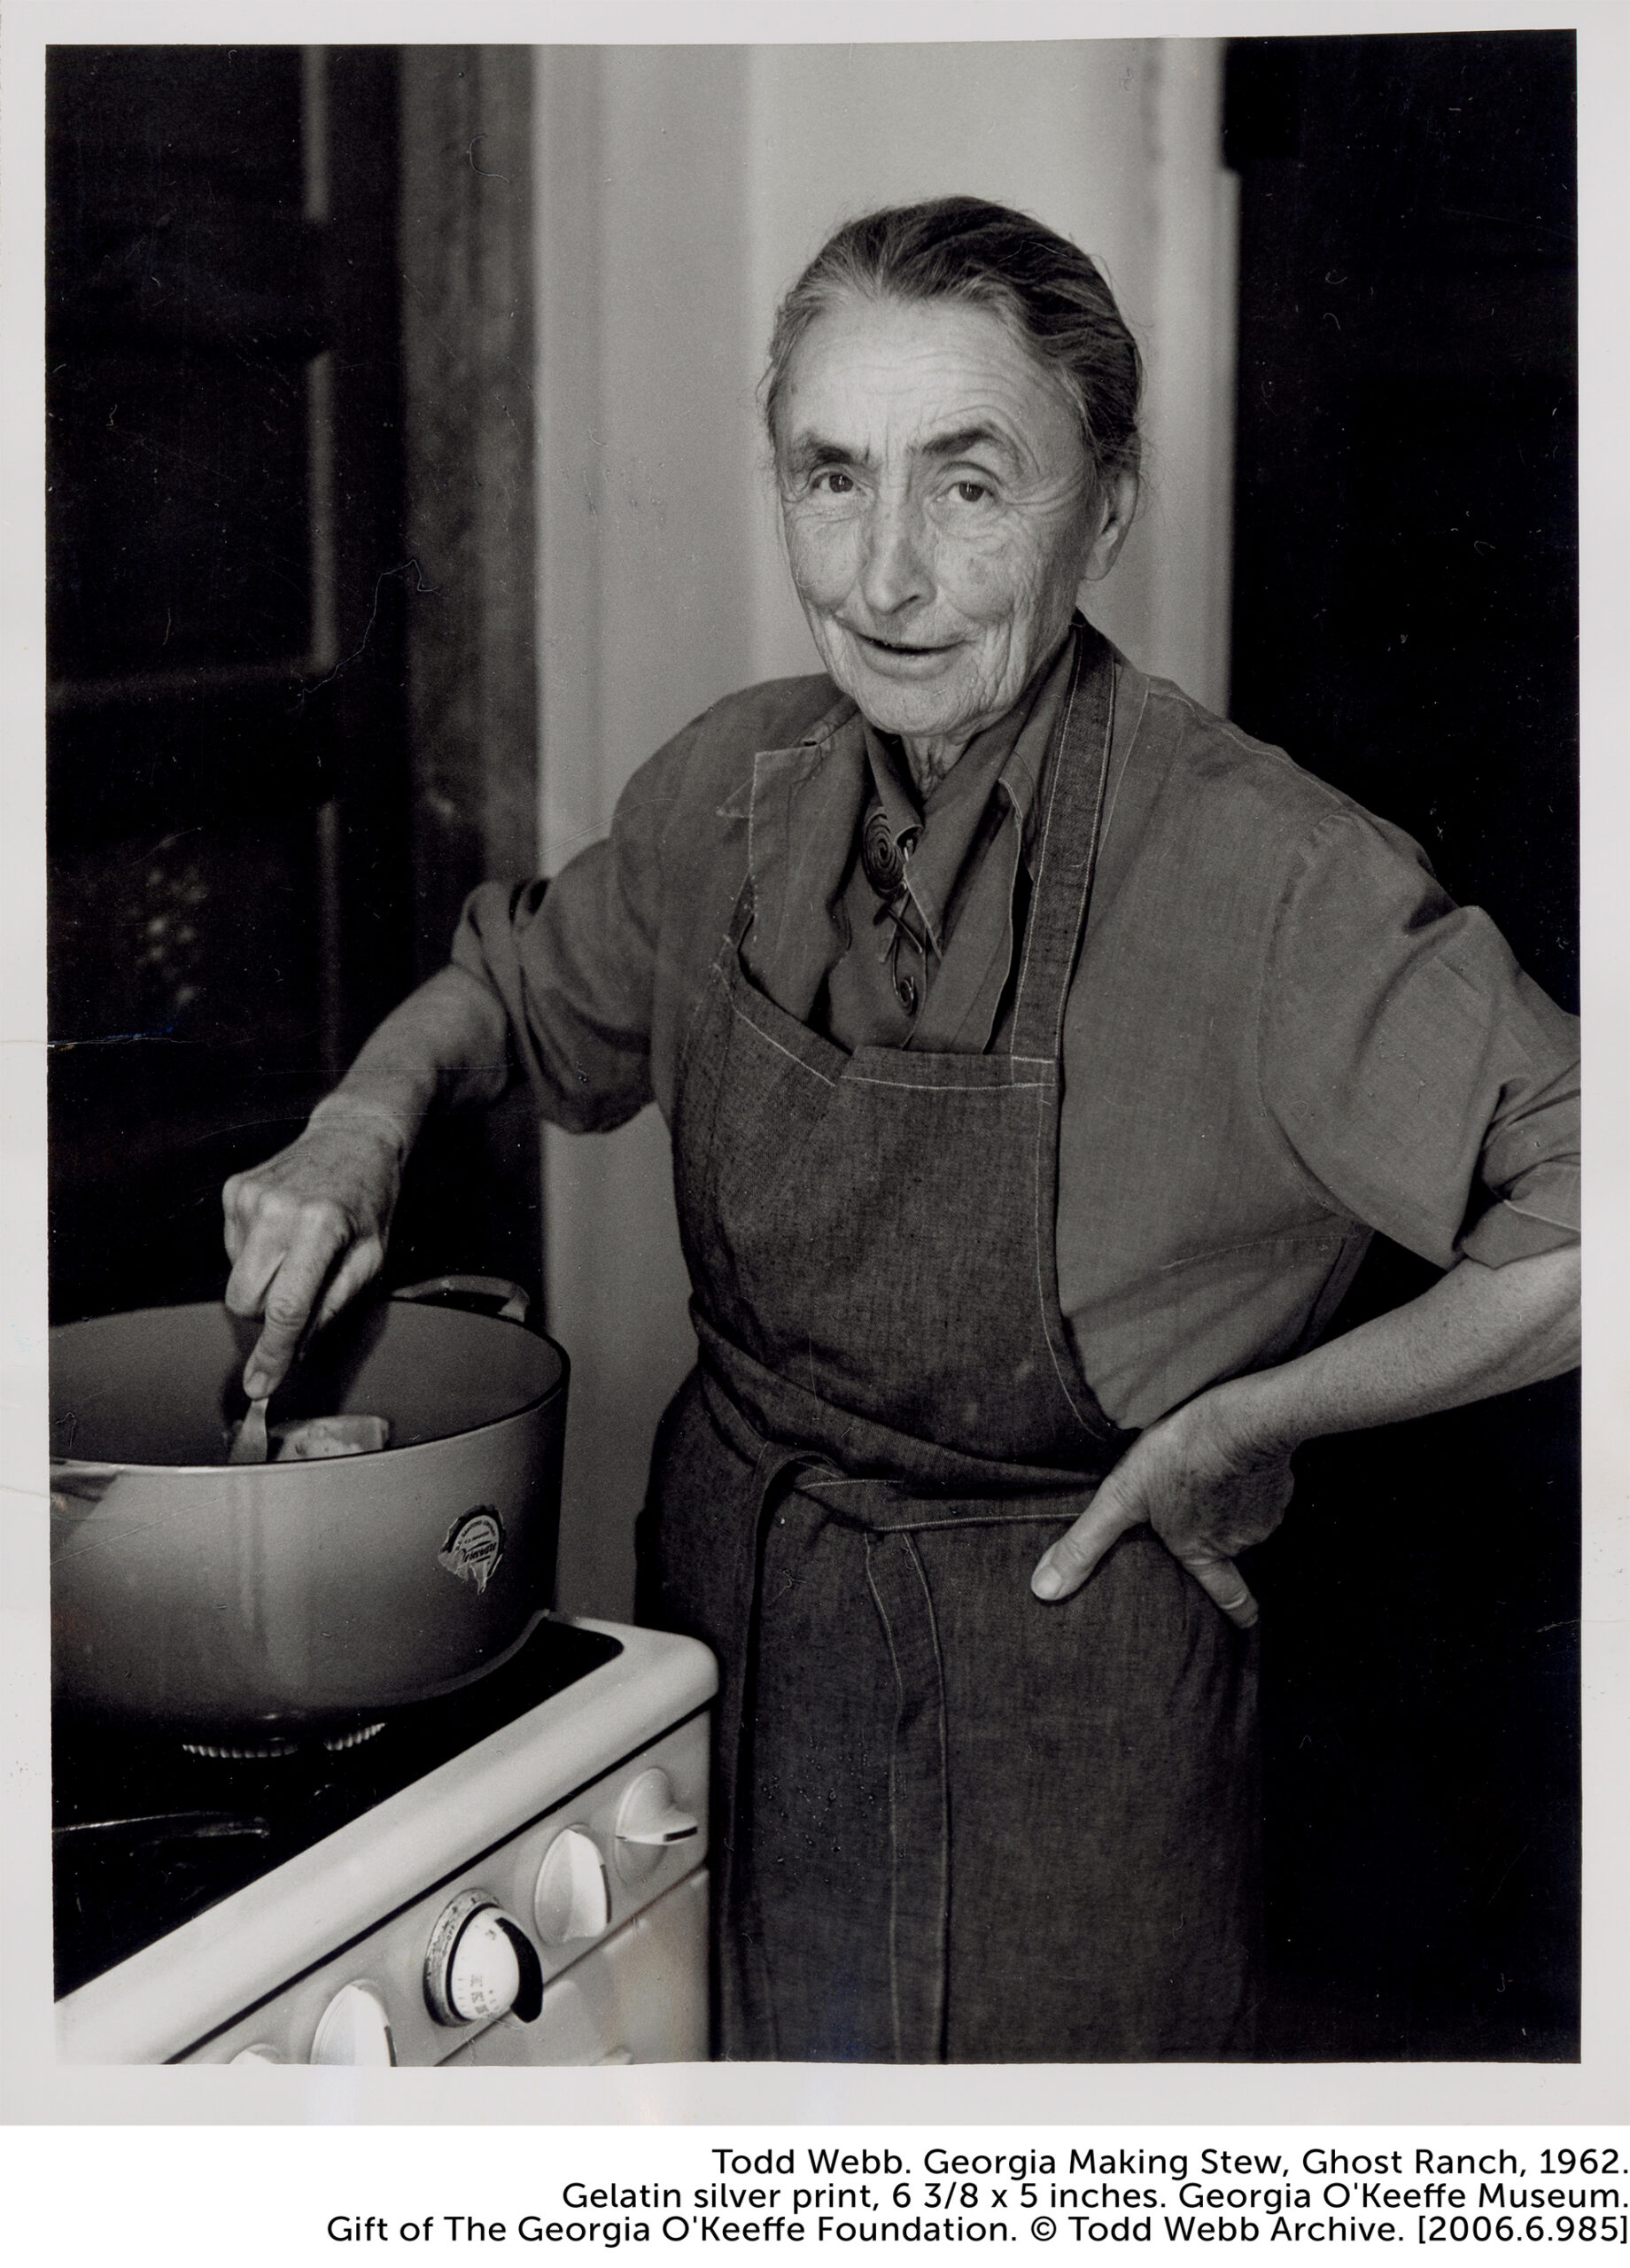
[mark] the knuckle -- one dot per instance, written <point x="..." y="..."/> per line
<point x="319" y="1220"/>
<point x="1216" y="1572"/>
<point x="1177" y="1530"/>
<point x="328" y="1221"/>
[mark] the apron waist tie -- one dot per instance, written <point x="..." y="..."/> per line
<point x="918" y="1787"/>
<point x="747" y="2009"/>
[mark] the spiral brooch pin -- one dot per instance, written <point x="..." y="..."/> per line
<point x="883" y="858"/>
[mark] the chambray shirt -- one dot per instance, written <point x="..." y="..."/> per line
<point x="1281" y="1035"/>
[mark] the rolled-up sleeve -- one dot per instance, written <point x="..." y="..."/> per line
<point x="1422" y="1080"/>
<point x="573" y="963"/>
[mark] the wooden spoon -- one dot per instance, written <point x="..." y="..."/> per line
<point x="249" y="1443"/>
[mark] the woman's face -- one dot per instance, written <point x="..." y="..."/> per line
<point x="940" y="510"/>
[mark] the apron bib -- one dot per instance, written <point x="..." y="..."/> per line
<point x="952" y="1822"/>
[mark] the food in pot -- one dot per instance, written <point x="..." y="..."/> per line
<point x="320" y="1437"/>
<point x="313" y="1437"/>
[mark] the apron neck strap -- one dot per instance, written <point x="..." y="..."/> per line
<point x="1071" y="820"/>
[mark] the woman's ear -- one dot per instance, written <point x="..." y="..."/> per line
<point x="1116" y="504"/>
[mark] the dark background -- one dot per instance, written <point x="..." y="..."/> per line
<point x="291" y="708"/>
<point x="257" y="843"/>
<point x="229" y="887"/>
<point x="1405" y="614"/>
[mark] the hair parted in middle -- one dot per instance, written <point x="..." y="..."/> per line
<point x="964" y="249"/>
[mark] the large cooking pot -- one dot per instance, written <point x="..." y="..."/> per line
<point x="190" y="1593"/>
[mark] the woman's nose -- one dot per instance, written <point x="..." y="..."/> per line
<point x="895" y="571"/>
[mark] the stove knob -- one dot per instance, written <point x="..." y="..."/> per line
<point x="648" y="1821"/>
<point x="573" y="1898"/>
<point x="479" y="1964"/>
<point x="355" y="2029"/>
<point x="483" y="1976"/>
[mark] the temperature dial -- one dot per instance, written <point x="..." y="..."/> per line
<point x="355" y="2029"/>
<point x="480" y="1965"/>
<point x="573" y="1898"/>
<point x="649" y="1822"/>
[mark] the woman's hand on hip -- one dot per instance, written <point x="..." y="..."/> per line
<point x="1215" y="1476"/>
<point x="307" y="1229"/>
<point x="1205" y="1488"/>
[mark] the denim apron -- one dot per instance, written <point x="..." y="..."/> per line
<point x="952" y="1822"/>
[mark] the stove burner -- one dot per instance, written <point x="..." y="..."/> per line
<point x="277" y="1744"/>
<point x="256" y="1751"/>
<point x="336" y="1742"/>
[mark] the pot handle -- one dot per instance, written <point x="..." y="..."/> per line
<point x="516" y="1303"/>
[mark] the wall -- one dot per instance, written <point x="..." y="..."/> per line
<point x="679" y="191"/>
<point x="1114" y="142"/>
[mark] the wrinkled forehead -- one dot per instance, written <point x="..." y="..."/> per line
<point x="878" y="379"/>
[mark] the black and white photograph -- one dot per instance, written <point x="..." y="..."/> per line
<point x="812" y="920"/>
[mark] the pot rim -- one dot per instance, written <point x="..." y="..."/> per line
<point x="304" y="1468"/>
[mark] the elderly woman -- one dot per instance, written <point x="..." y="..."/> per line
<point x="1039" y="1054"/>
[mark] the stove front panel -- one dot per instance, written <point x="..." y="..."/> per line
<point x="389" y="1964"/>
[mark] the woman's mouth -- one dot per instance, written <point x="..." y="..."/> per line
<point x="899" y="650"/>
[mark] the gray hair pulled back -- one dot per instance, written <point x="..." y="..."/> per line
<point x="983" y="255"/>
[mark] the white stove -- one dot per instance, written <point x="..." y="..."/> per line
<point x="499" y="1878"/>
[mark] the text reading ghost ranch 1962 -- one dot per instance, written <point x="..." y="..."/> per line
<point x="1093" y="2195"/>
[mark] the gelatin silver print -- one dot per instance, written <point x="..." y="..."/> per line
<point x="813" y="1095"/>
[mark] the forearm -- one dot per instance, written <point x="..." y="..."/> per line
<point x="447" y="1042"/>
<point x="1480" y="1331"/>
<point x="1214" y="1476"/>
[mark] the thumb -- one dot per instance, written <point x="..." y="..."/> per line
<point x="1065" y="1565"/>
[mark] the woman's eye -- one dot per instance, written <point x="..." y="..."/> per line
<point x="966" y="491"/>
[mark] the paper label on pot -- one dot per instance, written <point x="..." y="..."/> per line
<point x="474" y="1547"/>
